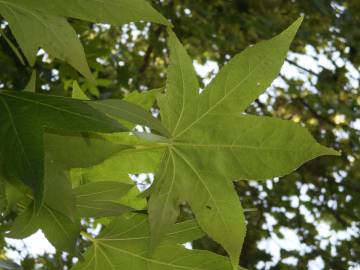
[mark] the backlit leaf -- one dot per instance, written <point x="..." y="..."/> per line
<point x="124" y="244"/>
<point x="31" y="85"/>
<point x="64" y="151"/>
<point x="115" y="12"/>
<point x="118" y="167"/>
<point x="127" y="111"/>
<point x="100" y="199"/>
<point x="60" y="230"/>
<point x="24" y="116"/>
<point x="213" y="144"/>
<point x="33" y="29"/>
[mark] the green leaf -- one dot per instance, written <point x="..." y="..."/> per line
<point x="77" y="92"/>
<point x="80" y="150"/>
<point x="130" y="112"/>
<point x="100" y="199"/>
<point x="115" y="12"/>
<point x="13" y="48"/>
<point x="64" y="151"/>
<point x="144" y="99"/>
<point x="182" y="88"/>
<point x="31" y="85"/>
<point x="118" y="167"/>
<point x="61" y="231"/>
<point x="124" y="245"/>
<point x="213" y="144"/>
<point x="13" y="196"/>
<point x="242" y="80"/>
<point x="24" y="116"/>
<point x="33" y="29"/>
<point x="241" y="144"/>
<point x="57" y="187"/>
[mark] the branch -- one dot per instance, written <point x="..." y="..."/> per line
<point x="291" y="62"/>
<point x="149" y="52"/>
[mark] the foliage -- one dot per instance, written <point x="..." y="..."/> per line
<point x="211" y="144"/>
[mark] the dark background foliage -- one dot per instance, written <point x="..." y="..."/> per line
<point x="325" y="99"/>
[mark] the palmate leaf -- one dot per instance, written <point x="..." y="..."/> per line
<point x="124" y="244"/>
<point x="213" y="143"/>
<point x="24" y="116"/>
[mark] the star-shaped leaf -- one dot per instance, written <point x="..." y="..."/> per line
<point x="213" y="143"/>
<point x="124" y="244"/>
<point x="24" y="116"/>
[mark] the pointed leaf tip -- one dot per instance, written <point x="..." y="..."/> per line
<point x="326" y="151"/>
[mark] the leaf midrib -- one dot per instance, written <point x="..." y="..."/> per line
<point x="110" y="190"/>
<point x="226" y="95"/>
<point x="11" y="118"/>
<point x="198" y="175"/>
<point x="51" y="106"/>
<point x="240" y="146"/>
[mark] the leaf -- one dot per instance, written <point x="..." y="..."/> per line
<point x="241" y="144"/>
<point x="100" y="199"/>
<point x="31" y="85"/>
<point x="124" y="245"/>
<point x="13" y="196"/>
<point x="118" y="167"/>
<point x="80" y="150"/>
<point x="13" y="48"/>
<point x="133" y="113"/>
<point x="213" y="144"/>
<point x="116" y="12"/>
<point x="9" y="265"/>
<point x="144" y="99"/>
<point x="33" y="29"/>
<point x="182" y="88"/>
<point x="58" y="229"/>
<point x="65" y="151"/>
<point x="24" y="116"/>
<point x="125" y="111"/>
<point x="57" y="188"/>
<point x="77" y="92"/>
